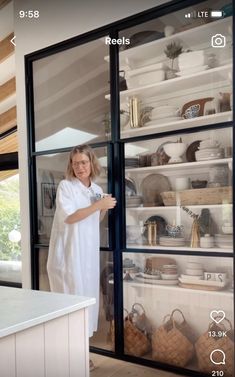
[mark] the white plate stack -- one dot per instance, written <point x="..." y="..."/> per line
<point x="171" y="241"/>
<point x="209" y="150"/>
<point x="133" y="201"/>
<point x="145" y="75"/>
<point x="194" y="272"/>
<point x="164" y="114"/>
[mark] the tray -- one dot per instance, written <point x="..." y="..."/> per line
<point x="200" y="287"/>
<point x="203" y="284"/>
<point x="216" y="195"/>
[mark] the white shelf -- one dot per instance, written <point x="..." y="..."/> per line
<point x="174" y="208"/>
<point x="138" y="54"/>
<point x="215" y="75"/>
<point x="175" y="288"/>
<point x="185" y="166"/>
<point x="180" y="248"/>
<point x="182" y="123"/>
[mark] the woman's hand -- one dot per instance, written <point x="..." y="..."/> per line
<point x="108" y="202"/>
<point x="101" y="205"/>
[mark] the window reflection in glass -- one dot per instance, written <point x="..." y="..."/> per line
<point x="178" y="70"/>
<point x="69" y="97"/>
<point x="50" y="171"/>
<point x="104" y="337"/>
<point x="10" y="236"/>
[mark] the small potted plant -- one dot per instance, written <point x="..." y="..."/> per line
<point x="172" y="51"/>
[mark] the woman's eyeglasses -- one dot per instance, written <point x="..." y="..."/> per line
<point x="82" y="163"/>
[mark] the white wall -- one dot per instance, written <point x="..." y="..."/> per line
<point x="59" y="20"/>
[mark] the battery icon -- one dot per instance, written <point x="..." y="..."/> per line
<point x="216" y="13"/>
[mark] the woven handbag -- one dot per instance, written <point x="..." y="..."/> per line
<point x="206" y="344"/>
<point x="172" y="343"/>
<point x="136" y="341"/>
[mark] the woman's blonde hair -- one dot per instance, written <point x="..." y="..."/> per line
<point x="88" y="151"/>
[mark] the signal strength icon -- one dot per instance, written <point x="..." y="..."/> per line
<point x="187" y="15"/>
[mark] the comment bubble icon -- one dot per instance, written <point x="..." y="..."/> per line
<point x="217" y="357"/>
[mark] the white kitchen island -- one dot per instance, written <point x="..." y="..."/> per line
<point x="43" y="334"/>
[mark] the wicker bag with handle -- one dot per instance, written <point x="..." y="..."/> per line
<point x="136" y="332"/>
<point x="172" y="343"/>
<point x="206" y="344"/>
<point x="136" y="341"/>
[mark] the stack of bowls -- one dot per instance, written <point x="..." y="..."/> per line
<point x="224" y="241"/>
<point x="165" y="113"/>
<point x="169" y="272"/>
<point x="133" y="233"/>
<point x="194" y="270"/>
<point x="209" y="150"/>
<point x="227" y="228"/>
<point x="133" y="201"/>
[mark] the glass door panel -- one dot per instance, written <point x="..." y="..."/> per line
<point x="50" y="171"/>
<point x="179" y="192"/>
<point x="181" y="310"/>
<point x="69" y="90"/>
<point x="178" y="70"/>
<point x="104" y="337"/>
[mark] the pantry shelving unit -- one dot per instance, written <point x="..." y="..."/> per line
<point x="147" y="139"/>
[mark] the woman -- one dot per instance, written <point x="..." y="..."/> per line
<point x="73" y="260"/>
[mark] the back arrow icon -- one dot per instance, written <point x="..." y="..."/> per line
<point x="13" y="40"/>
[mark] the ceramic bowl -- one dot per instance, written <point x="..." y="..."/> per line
<point x="207" y="241"/>
<point x="133" y="232"/>
<point x="198" y="184"/>
<point x="174" y="230"/>
<point x="174" y="151"/>
<point x="194" y="272"/>
<point x="194" y="265"/>
<point x="192" y="112"/>
<point x="227" y="229"/>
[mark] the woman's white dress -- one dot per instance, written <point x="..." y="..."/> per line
<point x="73" y="259"/>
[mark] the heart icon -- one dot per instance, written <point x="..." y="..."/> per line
<point x="217" y="316"/>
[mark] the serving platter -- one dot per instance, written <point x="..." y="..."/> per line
<point x="151" y="188"/>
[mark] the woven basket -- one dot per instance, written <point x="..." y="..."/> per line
<point x="216" y="195"/>
<point x="136" y="342"/>
<point x="172" y="343"/>
<point x="206" y="344"/>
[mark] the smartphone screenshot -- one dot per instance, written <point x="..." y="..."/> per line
<point x="116" y="185"/>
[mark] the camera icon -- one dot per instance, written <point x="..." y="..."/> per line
<point x="218" y="41"/>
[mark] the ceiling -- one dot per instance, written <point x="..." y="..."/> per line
<point x="8" y="129"/>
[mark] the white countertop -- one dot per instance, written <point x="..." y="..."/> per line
<point x="24" y="308"/>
